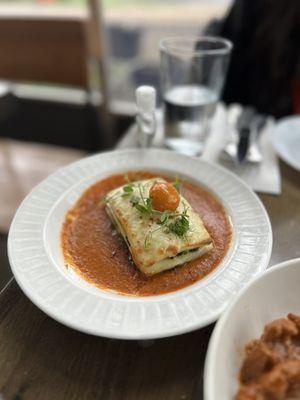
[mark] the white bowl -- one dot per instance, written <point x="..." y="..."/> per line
<point x="272" y="295"/>
<point x="38" y="265"/>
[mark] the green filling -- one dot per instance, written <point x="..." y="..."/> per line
<point x="184" y="252"/>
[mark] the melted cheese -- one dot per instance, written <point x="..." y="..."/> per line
<point x="154" y="249"/>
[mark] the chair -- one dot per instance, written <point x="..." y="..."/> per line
<point x="33" y="48"/>
<point x="65" y="49"/>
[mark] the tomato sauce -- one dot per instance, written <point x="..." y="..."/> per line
<point x="93" y="248"/>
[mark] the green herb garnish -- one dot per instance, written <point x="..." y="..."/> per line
<point x="140" y="203"/>
<point x="164" y="218"/>
<point x="141" y="208"/>
<point x="105" y="200"/>
<point x="177" y="183"/>
<point x="149" y="236"/>
<point x="180" y="226"/>
<point x="127" y="190"/>
<point x="134" y="200"/>
<point x="149" y="204"/>
<point x="170" y="222"/>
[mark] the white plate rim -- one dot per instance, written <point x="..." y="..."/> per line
<point x="182" y="327"/>
<point x="210" y="360"/>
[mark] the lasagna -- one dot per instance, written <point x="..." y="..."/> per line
<point x="158" y="224"/>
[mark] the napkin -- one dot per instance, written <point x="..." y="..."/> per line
<point x="263" y="177"/>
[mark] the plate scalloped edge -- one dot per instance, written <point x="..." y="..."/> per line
<point x="138" y="318"/>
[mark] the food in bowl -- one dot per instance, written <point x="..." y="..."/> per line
<point x="165" y="234"/>
<point x="271" y="368"/>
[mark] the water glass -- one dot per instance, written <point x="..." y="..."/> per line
<point x="192" y="72"/>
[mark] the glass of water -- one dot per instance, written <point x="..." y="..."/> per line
<point x="192" y="75"/>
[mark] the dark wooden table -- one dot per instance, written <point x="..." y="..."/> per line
<point x="43" y="360"/>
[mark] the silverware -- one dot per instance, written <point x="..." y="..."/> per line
<point x="245" y="127"/>
<point x="258" y="123"/>
<point x="244" y="131"/>
<point x="233" y="113"/>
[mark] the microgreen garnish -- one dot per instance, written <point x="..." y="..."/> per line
<point x="177" y="183"/>
<point x="168" y="221"/>
<point x="105" y="200"/>
<point x="127" y="191"/>
<point x="141" y="208"/>
<point x="128" y="188"/>
<point x="142" y="197"/>
<point x="140" y="203"/>
<point x="164" y="218"/>
<point x="180" y="226"/>
<point x="134" y="200"/>
<point x="149" y="204"/>
<point x="149" y="236"/>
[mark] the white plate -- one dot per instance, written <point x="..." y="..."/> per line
<point x="270" y="296"/>
<point x="286" y="140"/>
<point x="37" y="262"/>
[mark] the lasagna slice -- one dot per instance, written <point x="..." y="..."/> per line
<point x="157" y="240"/>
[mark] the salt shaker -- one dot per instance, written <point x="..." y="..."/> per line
<point x="145" y="118"/>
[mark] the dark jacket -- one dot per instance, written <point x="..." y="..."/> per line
<point x="265" y="60"/>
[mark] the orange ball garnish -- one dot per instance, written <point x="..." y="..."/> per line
<point x="164" y="197"/>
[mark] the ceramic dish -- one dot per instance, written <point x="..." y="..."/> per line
<point x="270" y="296"/>
<point x="37" y="263"/>
<point x="286" y="140"/>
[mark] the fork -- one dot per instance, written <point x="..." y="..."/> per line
<point x="256" y="125"/>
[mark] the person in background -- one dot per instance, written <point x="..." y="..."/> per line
<point x="264" y="71"/>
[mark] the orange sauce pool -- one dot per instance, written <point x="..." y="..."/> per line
<point x="93" y="248"/>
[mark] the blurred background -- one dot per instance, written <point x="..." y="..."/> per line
<point x="69" y="69"/>
<point x="46" y="53"/>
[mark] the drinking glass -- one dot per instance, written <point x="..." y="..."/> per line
<point x="192" y="75"/>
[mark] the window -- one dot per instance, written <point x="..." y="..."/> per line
<point x="134" y="28"/>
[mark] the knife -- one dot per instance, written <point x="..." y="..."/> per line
<point x="258" y="124"/>
<point x="244" y="130"/>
